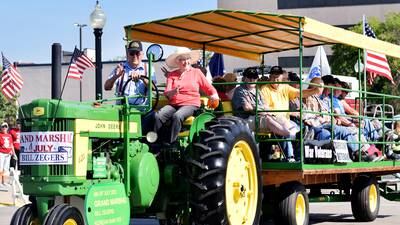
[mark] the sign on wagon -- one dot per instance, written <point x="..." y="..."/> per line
<point x="46" y="148"/>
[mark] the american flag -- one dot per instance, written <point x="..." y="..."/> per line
<point x="79" y="63"/>
<point x="11" y="80"/>
<point x="376" y="63"/>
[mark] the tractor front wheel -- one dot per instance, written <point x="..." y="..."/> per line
<point x="224" y="171"/>
<point x="63" y="214"/>
<point x="365" y="199"/>
<point x="25" y="215"/>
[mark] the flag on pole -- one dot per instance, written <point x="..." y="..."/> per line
<point x="319" y="67"/>
<point x="11" y="80"/>
<point x="376" y="63"/>
<point x="216" y="65"/>
<point x="79" y="63"/>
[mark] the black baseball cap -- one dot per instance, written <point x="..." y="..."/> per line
<point x="329" y="79"/>
<point x="293" y="76"/>
<point x="276" y="70"/>
<point x="134" y="46"/>
<point x="251" y="73"/>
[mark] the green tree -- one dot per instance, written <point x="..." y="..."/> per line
<point x="345" y="57"/>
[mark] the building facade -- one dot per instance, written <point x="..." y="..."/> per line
<point x="341" y="13"/>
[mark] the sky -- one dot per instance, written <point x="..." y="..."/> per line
<point x="29" y="28"/>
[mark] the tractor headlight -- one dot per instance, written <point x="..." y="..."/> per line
<point x="151" y="137"/>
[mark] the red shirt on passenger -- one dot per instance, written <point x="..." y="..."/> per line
<point x="189" y="83"/>
<point x="16" y="135"/>
<point x="6" y="143"/>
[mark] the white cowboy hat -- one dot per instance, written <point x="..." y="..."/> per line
<point x="171" y="59"/>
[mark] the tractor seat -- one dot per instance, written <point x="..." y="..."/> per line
<point x="188" y="121"/>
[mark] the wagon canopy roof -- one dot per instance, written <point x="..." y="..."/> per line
<point x="249" y="34"/>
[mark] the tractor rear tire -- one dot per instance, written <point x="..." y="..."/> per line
<point x="292" y="206"/>
<point x="365" y="199"/>
<point x="63" y="214"/>
<point x="224" y="171"/>
<point x="25" y="215"/>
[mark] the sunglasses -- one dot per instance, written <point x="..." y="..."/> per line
<point x="4" y="126"/>
<point x="133" y="53"/>
<point x="183" y="58"/>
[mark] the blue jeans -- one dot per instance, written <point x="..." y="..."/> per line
<point x="339" y="132"/>
<point x="287" y="147"/>
<point x="370" y="133"/>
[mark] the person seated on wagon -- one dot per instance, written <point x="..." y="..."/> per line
<point x="368" y="129"/>
<point x="277" y="96"/>
<point x="294" y="104"/>
<point x="220" y="88"/>
<point x="225" y="91"/>
<point x="182" y="91"/>
<point x="230" y="88"/>
<point x="347" y="108"/>
<point x="246" y="102"/>
<point x="320" y="124"/>
<point x="393" y="149"/>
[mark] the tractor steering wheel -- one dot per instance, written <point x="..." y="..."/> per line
<point x="154" y="87"/>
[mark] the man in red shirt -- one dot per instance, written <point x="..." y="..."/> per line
<point x="15" y="134"/>
<point x="6" y="150"/>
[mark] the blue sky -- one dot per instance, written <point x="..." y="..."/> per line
<point x="30" y="27"/>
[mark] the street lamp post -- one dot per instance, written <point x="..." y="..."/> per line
<point x="80" y="48"/>
<point x="97" y="22"/>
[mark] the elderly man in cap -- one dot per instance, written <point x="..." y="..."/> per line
<point x="133" y="68"/>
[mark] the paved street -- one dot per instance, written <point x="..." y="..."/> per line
<point x="321" y="214"/>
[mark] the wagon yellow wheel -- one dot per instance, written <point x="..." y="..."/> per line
<point x="365" y="198"/>
<point x="292" y="206"/>
<point x="300" y="209"/>
<point x="241" y="184"/>
<point x="224" y="170"/>
<point x="25" y="215"/>
<point x="373" y="198"/>
<point x="63" y="214"/>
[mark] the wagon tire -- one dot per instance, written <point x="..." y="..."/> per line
<point x="365" y="199"/>
<point x="292" y="205"/>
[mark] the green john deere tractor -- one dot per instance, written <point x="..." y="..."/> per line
<point x="90" y="163"/>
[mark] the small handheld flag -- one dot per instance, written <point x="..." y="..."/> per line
<point x="79" y="63"/>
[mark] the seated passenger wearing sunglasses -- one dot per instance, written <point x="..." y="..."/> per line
<point x="133" y="68"/>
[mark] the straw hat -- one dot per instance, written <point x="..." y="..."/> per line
<point x="171" y="60"/>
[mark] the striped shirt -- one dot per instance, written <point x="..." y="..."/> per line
<point x="132" y="88"/>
